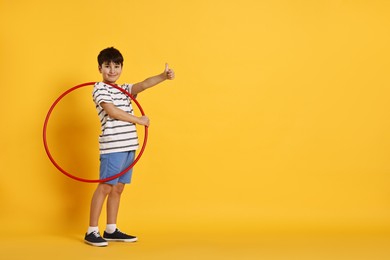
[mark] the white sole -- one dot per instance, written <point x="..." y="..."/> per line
<point x="96" y="244"/>
<point x="121" y="240"/>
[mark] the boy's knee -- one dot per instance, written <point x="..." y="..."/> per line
<point x="105" y="188"/>
<point x="118" y="188"/>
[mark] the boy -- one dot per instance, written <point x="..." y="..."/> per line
<point x="117" y="142"/>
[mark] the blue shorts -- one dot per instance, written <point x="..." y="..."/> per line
<point x="114" y="163"/>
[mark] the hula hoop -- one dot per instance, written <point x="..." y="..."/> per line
<point x="82" y="179"/>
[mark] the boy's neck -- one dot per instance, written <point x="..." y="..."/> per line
<point x="113" y="83"/>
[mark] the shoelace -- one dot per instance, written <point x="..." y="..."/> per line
<point x="96" y="233"/>
<point x="121" y="232"/>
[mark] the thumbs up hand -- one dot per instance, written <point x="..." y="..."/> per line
<point x="168" y="72"/>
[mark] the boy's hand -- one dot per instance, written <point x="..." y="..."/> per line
<point x="169" y="73"/>
<point x="144" y="120"/>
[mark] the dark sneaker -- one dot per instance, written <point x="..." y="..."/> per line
<point x="95" y="239"/>
<point x="119" y="236"/>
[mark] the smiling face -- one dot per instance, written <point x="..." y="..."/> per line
<point x="110" y="71"/>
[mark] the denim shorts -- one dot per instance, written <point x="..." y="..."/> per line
<point x="114" y="163"/>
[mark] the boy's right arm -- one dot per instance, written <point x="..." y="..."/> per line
<point x="119" y="114"/>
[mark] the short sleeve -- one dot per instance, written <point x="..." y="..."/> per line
<point x="101" y="94"/>
<point x="128" y="88"/>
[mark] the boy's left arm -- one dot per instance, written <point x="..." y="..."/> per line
<point x="152" y="81"/>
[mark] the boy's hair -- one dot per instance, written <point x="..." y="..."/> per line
<point x="110" y="55"/>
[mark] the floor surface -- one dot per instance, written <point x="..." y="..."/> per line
<point x="211" y="245"/>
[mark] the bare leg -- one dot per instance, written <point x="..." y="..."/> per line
<point x="113" y="201"/>
<point x="97" y="202"/>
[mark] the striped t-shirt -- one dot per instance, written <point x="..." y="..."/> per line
<point x="116" y="135"/>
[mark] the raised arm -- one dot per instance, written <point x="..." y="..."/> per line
<point x="119" y="114"/>
<point x="154" y="80"/>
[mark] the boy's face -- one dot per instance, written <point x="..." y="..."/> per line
<point x="110" y="71"/>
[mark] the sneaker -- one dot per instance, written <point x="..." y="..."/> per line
<point x="95" y="239"/>
<point x="119" y="236"/>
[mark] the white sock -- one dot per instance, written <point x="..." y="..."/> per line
<point x="110" y="228"/>
<point x="92" y="229"/>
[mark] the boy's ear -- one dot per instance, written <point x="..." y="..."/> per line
<point x="100" y="68"/>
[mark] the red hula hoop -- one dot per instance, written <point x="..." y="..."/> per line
<point x="78" y="178"/>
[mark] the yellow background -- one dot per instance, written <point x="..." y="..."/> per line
<point x="277" y="124"/>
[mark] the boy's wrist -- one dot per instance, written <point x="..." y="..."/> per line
<point x="164" y="76"/>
